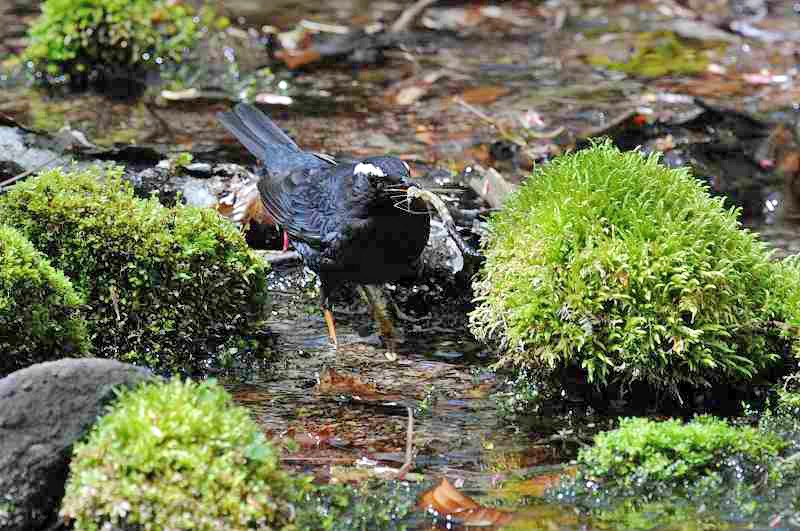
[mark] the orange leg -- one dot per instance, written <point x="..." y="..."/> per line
<point x="331" y="327"/>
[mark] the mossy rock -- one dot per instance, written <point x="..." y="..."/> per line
<point x="39" y="309"/>
<point x="648" y="455"/>
<point x="658" y="54"/>
<point x="696" y="475"/>
<point x="169" y="288"/>
<point x="179" y="455"/>
<point x="630" y="271"/>
<point x="74" y="40"/>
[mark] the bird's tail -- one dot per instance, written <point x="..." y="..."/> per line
<point x="265" y="140"/>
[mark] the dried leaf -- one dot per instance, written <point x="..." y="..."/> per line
<point x="297" y="59"/>
<point x="411" y="94"/>
<point x="446" y="500"/>
<point x="491" y="186"/>
<point x="483" y="95"/>
<point x="333" y="383"/>
<point x="243" y="205"/>
<point x="273" y="99"/>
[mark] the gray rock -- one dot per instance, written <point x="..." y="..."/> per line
<point x="44" y="410"/>
<point x="441" y="256"/>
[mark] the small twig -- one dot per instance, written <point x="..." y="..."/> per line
<point x="447" y="219"/>
<point x="9" y="182"/>
<point x="410" y="14"/>
<point x="502" y="130"/>
<point x="287" y="256"/>
<point x="331" y="460"/>
<point x="409" y="461"/>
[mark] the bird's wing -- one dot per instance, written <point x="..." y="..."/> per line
<point x="304" y="203"/>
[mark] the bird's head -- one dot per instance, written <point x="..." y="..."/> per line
<point x="388" y="180"/>
<point x="384" y="173"/>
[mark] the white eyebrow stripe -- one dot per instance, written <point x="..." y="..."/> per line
<point x="408" y="168"/>
<point x="363" y="168"/>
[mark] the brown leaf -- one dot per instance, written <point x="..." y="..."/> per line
<point x="411" y="94"/>
<point x="446" y="500"/>
<point x="483" y="95"/>
<point x="333" y="383"/>
<point x="243" y="205"/>
<point x="297" y="59"/>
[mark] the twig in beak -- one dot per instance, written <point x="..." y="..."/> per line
<point x="447" y="219"/>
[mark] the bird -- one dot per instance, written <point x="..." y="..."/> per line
<point x="349" y="221"/>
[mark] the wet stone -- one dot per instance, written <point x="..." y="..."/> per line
<point x="44" y="410"/>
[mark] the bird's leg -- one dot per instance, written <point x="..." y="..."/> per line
<point x="285" y="241"/>
<point x="326" y="310"/>
<point x="402" y="316"/>
<point x="380" y="312"/>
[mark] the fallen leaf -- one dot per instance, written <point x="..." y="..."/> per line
<point x="273" y="99"/>
<point x="483" y="95"/>
<point x="297" y="59"/>
<point x="446" y="500"/>
<point x="243" y="204"/>
<point x="491" y="186"/>
<point x="333" y="383"/>
<point x="411" y="94"/>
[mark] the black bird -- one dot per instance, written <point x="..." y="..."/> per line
<point x="349" y="221"/>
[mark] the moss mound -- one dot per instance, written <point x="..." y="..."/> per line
<point x="74" y="39"/>
<point x="39" y="309"/>
<point x="166" y="288"/>
<point x="649" y="455"/>
<point x="178" y="455"/>
<point x="647" y="474"/>
<point x="610" y="262"/>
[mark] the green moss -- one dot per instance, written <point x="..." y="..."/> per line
<point x="373" y="504"/>
<point x="631" y="271"/>
<point x="164" y="287"/>
<point x="658" y="54"/>
<point x="649" y="474"/>
<point x="73" y="37"/>
<point x="178" y="455"/>
<point x="39" y="309"/>
<point x="671" y="514"/>
<point x="649" y="455"/>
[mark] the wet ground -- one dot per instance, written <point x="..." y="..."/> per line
<point x="505" y="85"/>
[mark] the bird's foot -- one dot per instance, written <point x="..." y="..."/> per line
<point x="402" y="316"/>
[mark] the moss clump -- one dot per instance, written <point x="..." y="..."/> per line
<point x="373" y="504"/>
<point x="653" y="456"/>
<point x="658" y="54"/>
<point x="631" y="271"/>
<point x="165" y="287"/>
<point x="39" y="309"/>
<point x="74" y="38"/>
<point x="178" y="455"/>
<point x="647" y="474"/>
